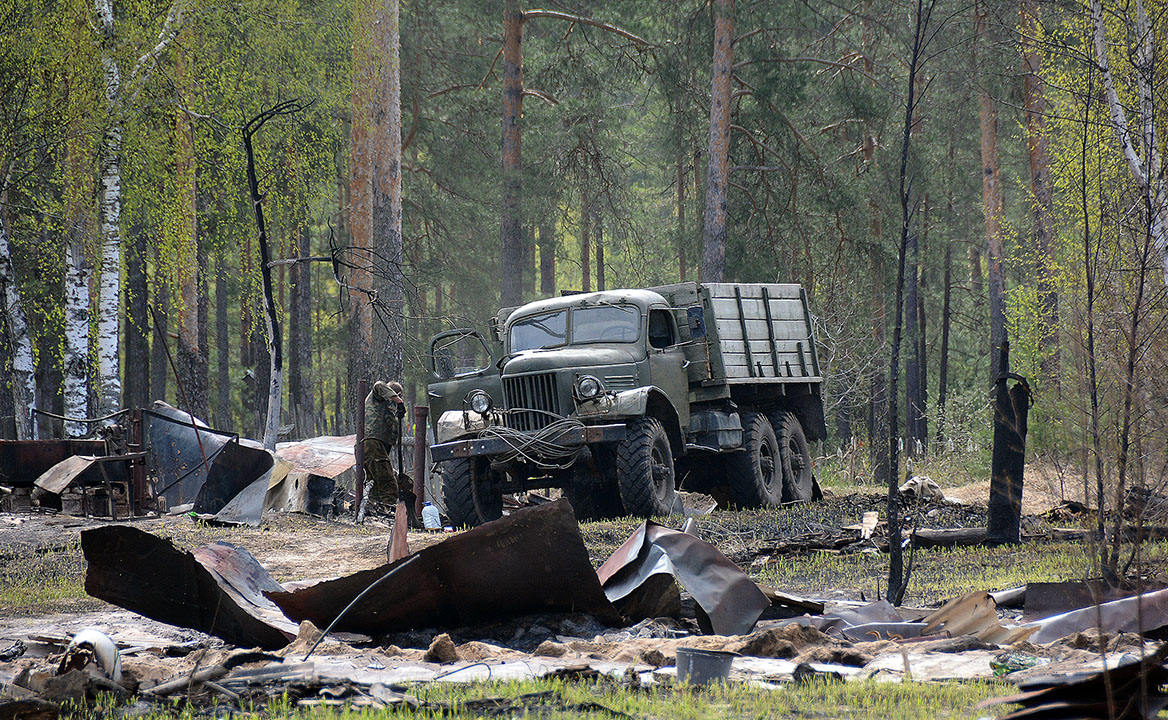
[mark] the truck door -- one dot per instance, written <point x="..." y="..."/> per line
<point x="460" y="361"/>
<point x="667" y="362"/>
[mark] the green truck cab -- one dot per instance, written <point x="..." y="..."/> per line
<point x="622" y="397"/>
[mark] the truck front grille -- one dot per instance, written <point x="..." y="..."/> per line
<point x="526" y="394"/>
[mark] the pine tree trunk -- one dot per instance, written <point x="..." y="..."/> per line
<point x="389" y="331"/>
<point x="992" y="202"/>
<point x="599" y="226"/>
<point x="511" y="255"/>
<point x="189" y="356"/>
<point x="1034" y="102"/>
<point x="137" y="390"/>
<point x="681" y="269"/>
<point x="585" y="239"/>
<point x="360" y="325"/>
<point x="718" y="158"/>
<point x="17" y="337"/>
<point x="912" y="368"/>
<point x="943" y="370"/>
<point x="223" y="415"/>
<point x="547" y="258"/>
<point x="159" y="367"/>
<point x="300" y="340"/>
<point x="922" y="349"/>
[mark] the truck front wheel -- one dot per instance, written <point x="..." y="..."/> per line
<point x="798" y="482"/>
<point x="644" y="470"/>
<point x="755" y="475"/>
<point x="472" y="491"/>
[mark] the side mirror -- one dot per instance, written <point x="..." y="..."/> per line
<point x="696" y="319"/>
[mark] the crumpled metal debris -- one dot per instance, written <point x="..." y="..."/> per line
<point x="975" y="614"/>
<point x="1127" y="692"/>
<point x="730" y="599"/>
<point x="533" y="560"/>
<point x="1146" y="613"/>
<point x="217" y="589"/>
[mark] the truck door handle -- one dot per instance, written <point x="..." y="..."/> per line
<point x="685" y="364"/>
<point x="434" y="395"/>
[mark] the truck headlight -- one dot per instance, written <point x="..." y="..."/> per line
<point x="588" y="387"/>
<point x="480" y="402"/>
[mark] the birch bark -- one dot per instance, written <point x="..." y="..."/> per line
<point x="118" y="98"/>
<point x="76" y="360"/>
<point x="1146" y="170"/>
<point x="20" y="342"/>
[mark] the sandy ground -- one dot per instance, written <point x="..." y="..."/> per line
<point x="1045" y="486"/>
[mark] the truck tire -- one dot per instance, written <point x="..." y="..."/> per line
<point x="798" y="482"/>
<point x="471" y="490"/>
<point x="755" y="475"/>
<point x="644" y="470"/>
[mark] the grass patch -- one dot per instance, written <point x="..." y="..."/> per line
<point x="939" y="574"/>
<point x="43" y="581"/>
<point x="559" y="698"/>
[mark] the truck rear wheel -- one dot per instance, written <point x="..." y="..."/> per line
<point x="795" y="454"/>
<point x="755" y="475"/>
<point x="644" y="470"/>
<point x="472" y="491"/>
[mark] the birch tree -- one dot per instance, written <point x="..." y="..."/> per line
<point x="1140" y="150"/>
<point x="15" y="322"/>
<point x="120" y="99"/>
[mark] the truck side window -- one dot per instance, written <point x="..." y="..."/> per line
<point x="660" y="329"/>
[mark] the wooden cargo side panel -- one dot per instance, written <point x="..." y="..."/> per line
<point x="780" y="350"/>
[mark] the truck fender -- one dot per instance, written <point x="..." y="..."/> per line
<point x="649" y="400"/>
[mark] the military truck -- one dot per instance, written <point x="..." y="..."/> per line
<point x="621" y="397"/>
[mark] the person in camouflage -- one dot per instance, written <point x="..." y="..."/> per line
<point x="384" y="409"/>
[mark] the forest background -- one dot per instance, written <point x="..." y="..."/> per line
<point x="939" y="175"/>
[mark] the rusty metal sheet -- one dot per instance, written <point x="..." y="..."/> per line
<point x="728" y="596"/>
<point x="62" y="475"/>
<point x="23" y="461"/>
<point x="326" y="456"/>
<point x="173" y="453"/>
<point x="533" y="560"/>
<point x="975" y="614"/>
<point x="219" y="589"/>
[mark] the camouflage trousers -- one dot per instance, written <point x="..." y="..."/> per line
<point x="388" y="484"/>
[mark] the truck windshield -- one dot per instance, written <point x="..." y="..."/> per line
<point x="605" y="323"/>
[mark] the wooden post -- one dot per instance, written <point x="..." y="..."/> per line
<point x="359" y="451"/>
<point x="1011" y="406"/>
<point x="420" y="414"/>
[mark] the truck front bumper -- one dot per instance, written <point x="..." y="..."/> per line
<point x="572" y="437"/>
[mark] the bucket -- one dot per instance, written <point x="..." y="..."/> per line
<point x="702" y="667"/>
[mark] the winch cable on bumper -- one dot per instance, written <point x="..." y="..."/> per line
<point x="551" y="447"/>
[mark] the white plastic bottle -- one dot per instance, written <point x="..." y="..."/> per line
<point x="430" y="517"/>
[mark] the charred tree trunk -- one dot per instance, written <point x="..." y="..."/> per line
<point x="547" y="258"/>
<point x="137" y="387"/>
<point x="275" y="349"/>
<point x="718" y="159"/>
<point x="1011" y="405"/>
<point x="511" y="223"/>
